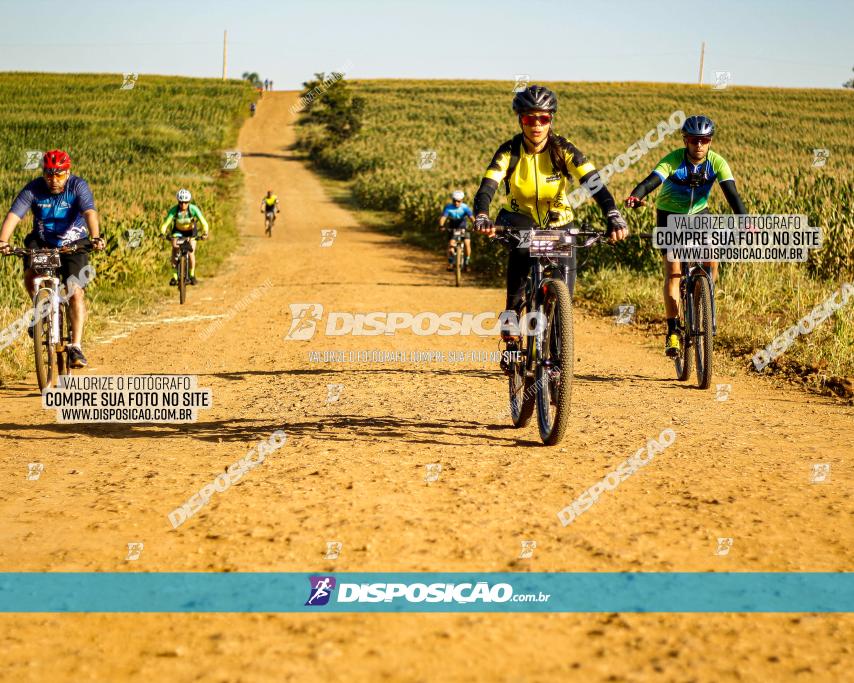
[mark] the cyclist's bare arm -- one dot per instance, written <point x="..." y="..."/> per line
<point x="9" y="224"/>
<point x="442" y="220"/>
<point x="94" y="225"/>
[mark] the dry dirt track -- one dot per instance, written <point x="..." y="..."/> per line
<point x="353" y="471"/>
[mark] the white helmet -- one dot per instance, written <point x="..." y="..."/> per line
<point x="184" y="196"/>
<point x="457" y="195"/>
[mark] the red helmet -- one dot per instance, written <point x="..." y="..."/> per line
<point x="57" y="159"/>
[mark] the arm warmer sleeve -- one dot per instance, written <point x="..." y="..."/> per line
<point x="484" y="196"/>
<point x="646" y="186"/>
<point x="600" y="194"/>
<point x="732" y="197"/>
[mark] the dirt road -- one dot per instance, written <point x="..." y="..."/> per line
<point x="353" y="471"/>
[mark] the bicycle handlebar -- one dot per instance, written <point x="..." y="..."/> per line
<point x="46" y="250"/>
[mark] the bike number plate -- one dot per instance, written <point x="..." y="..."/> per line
<point x="48" y="260"/>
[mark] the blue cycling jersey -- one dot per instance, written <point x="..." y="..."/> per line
<point x="57" y="218"/>
<point x="457" y="214"/>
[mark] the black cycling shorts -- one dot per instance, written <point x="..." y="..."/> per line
<point x="71" y="264"/>
<point x="661" y="221"/>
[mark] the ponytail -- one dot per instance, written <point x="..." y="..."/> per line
<point x="556" y="146"/>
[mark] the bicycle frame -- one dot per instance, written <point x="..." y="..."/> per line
<point x="686" y="287"/>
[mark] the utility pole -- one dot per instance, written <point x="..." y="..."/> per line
<point x="702" y="58"/>
<point x="224" y="54"/>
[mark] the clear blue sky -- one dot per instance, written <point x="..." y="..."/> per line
<point x="764" y="42"/>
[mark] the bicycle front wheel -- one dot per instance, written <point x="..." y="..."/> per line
<point x="45" y="352"/>
<point x="458" y="268"/>
<point x="702" y="337"/>
<point x="683" y="361"/>
<point x="62" y="363"/>
<point x="182" y="278"/>
<point x="555" y="363"/>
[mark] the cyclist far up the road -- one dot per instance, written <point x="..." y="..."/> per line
<point x="183" y="219"/>
<point x="456" y="215"/>
<point x="64" y="215"/>
<point x="537" y="167"/>
<point x="270" y="204"/>
<point x="688" y="174"/>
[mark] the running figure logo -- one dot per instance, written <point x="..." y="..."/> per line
<point x="230" y="160"/>
<point x="321" y="590"/>
<point x="128" y="81"/>
<point x="304" y="319"/>
<point x="34" y="470"/>
<point x="427" y="159"/>
<point x="722" y="392"/>
<point x="625" y="313"/>
<point x="820" y="157"/>
<point x="433" y="471"/>
<point x="34" y="160"/>
<point x="333" y="392"/>
<point x="724" y="544"/>
<point x="527" y="550"/>
<point x="133" y="237"/>
<point x="333" y="550"/>
<point x="722" y="80"/>
<point x="522" y="81"/>
<point x="134" y="551"/>
<point x="820" y="473"/>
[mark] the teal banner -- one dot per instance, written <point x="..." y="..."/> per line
<point x="427" y="592"/>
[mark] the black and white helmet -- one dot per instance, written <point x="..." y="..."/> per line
<point x="701" y="126"/>
<point x="535" y="98"/>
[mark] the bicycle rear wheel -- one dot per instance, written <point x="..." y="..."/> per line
<point x="182" y="278"/>
<point x="44" y="350"/>
<point x="702" y="337"/>
<point x="458" y="267"/>
<point x="555" y="363"/>
<point x="521" y="392"/>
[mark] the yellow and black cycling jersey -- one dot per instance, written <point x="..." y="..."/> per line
<point x="535" y="188"/>
<point x="271" y="201"/>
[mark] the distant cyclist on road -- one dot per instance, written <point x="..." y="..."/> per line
<point x="457" y="215"/>
<point x="184" y="218"/>
<point x="270" y="206"/>
<point x="537" y="167"/>
<point x="689" y="174"/>
<point x="63" y="215"/>
<point x="252" y="109"/>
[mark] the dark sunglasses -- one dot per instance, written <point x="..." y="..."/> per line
<point x="534" y="119"/>
<point x="695" y="140"/>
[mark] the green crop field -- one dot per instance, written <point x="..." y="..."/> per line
<point x="136" y="147"/>
<point x="767" y="135"/>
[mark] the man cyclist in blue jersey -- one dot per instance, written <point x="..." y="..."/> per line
<point x="457" y="215"/>
<point x="688" y="175"/>
<point x="64" y="215"/>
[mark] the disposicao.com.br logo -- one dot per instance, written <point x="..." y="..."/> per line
<point x="307" y="318"/>
<point x="323" y="588"/>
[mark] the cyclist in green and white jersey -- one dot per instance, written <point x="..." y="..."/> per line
<point x="688" y="175"/>
<point x="183" y="218"/>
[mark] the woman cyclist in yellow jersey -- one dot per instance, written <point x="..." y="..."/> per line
<point x="537" y="167"/>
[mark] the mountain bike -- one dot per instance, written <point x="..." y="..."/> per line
<point x="185" y="248"/>
<point x="541" y="372"/>
<point x="269" y="220"/>
<point x="697" y="322"/>
<point x="52" y="324"/>
<point x="459" y="236"/>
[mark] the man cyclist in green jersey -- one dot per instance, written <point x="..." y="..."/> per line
<point x="183" y="219"/>
<point x="688" y="174"/>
